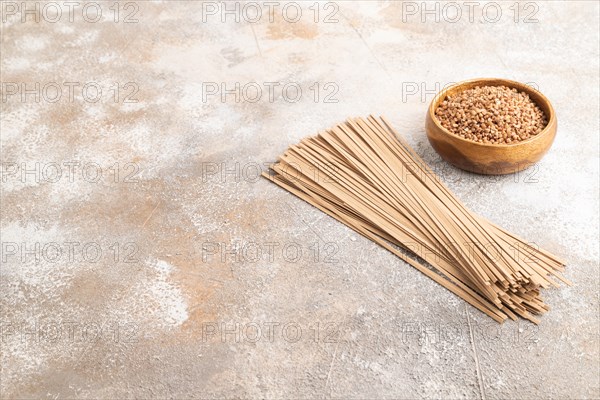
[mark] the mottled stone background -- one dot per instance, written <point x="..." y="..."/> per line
<point x="142" y="257"/>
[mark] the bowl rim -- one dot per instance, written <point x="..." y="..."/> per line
<point x="494" y="82"/>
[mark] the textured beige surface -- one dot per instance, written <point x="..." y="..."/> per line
<point x="165" y="317"/>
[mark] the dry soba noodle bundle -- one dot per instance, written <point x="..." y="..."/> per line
<point x="365" y="175"/>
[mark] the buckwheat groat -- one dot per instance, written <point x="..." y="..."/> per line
<point x="491" y="114"/>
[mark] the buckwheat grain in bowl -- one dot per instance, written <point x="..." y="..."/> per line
<point x="491" y="115"/>
<point x="484" y="126"/>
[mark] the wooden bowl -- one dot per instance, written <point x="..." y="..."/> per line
<point x="490" y="159"/>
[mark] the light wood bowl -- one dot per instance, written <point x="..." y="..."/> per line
<point x="490" y="159"/>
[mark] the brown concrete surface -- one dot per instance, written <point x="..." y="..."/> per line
<point x="143" y="258"/>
